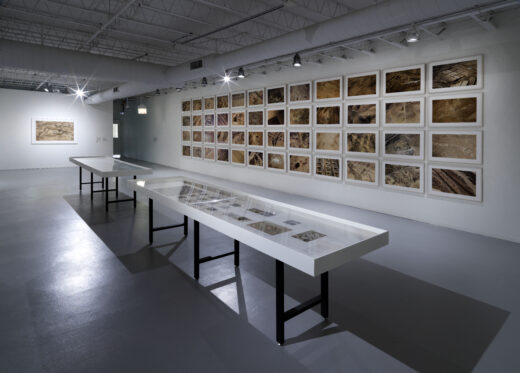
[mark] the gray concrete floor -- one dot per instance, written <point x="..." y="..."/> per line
<point x="82" y="290"/>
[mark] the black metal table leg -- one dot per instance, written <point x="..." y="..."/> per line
<point x="80" y="180"/>
<point x="185" y="225"/>
<point x="106" y="194"/>
<point x="91" y="186"/>
<point x="325" y="295"/>
<point x="280" y="333"/>
<point x="117" y="187"/>
<point x="150" y="220"/>
<point x="237" y="253"/>
<point x="102" y="183"/>
<point x="196" y="249"/>
<point x="135" y="195"/>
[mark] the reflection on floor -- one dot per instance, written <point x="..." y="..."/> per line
<point x="82" y="288"/>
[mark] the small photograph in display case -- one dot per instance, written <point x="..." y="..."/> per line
<point x="186" y="105"/>
<point x="255" y="97"/>
<point x="276" y="95"/>
<point x="403" y="112"/>
<point x="362" y="85"/>
<point x="255" y="117"/>
<point x="186" y="136"/>
<point x="238" y="118"/>
<point x="276" y="139"/>
<point x="222" y="137"/>
<point x="300" y="140"/>
<point x="238" y="137"/>
<point x="276" y="117"/>
<point x="255" y="158"/>
<point x="223" y="155"/>
<point x="222" y="119"/>
<point x="300" y="93"/>
<point x="363" y="113"/>
<point x="186" y="150"/>
<point x="456" y="182"/>
<point x="455" y="146"/>
<point x="361" y="171"/>
<point x="186" y="121"/>
<point x="455" y="75"/>
<point x="327" y="167"/>
<point x="328" y="115"/>
<point x="403" y="176"/>
<point x="362" y="142"/>
<point x="255" y="138"/>
<point x="209" y="137"/>
<point x="276" y="161"/>
<point x="300" y="116"/>
<point x="403" y="81"/>
<point x="223" y="102"/>
<point x="238" y="100"/>
<point x="197" y="120"/>
<point x="209" y="153"/>
<point x="300" y="164"/>
<point x="238" y="157"/>
<point x="209" y="120"/>
<point x="327" y="141"/>
<point x="403" y="144"/>
<point x="196" y="152"/>
<point x="456" y="110"/>
<point x="328" y="89"/>
<point x="196" y="104"/>
<point x="209" y="103"/>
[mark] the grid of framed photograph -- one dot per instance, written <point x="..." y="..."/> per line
<point x="376" y="129"/>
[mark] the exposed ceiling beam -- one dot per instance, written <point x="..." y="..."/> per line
<point x="398" y="44"/>
<point x="485" y="21"/>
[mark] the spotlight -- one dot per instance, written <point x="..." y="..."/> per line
<point x="241" y="73"/>
<point x="178" y="89"/>
<point x="226" y="78"/>
<point x="141" y="108"/>
<point x="204" y="82"/>
<point x="79" y="92"/>
<point x="412" y="36"/>
<point x="297" y="61"/>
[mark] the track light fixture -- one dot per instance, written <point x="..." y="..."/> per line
<point x="46" y="87"/>
<point x="241" y="73"/>
<point x="297" y="61"/>
<point x="412" y="36"/>
<point x="178" y="89"/>
<point x="141" y="108"/>
<point x="204" y="82"/>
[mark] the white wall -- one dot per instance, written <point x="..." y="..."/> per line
<point x="94" y="126"/>
<point x="156" y="138"/>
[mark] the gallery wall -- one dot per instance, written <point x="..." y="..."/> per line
<point x="157" y="137"/>
<point x="18" y="109"/>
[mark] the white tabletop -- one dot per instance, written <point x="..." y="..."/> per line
<point x="109" y="167"/>
<point x="309" y="241"/>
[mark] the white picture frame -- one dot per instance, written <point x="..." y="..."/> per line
<point x="219" y="114"/>
<point x="419" y="190"/>
<point x="255" y="151"/>
<point x="249" y="131"/>
<point x="311" y="114"/>
<point x="329" y="99"/>
<point x="325" y="151"/>
<point x="182" y="106"/>
<point x="209" y="98"/>
<point x="244" y="150"/>
<point x="290" y="101"/>
<point x="201" y="136"/>
<point x="193" y="111"/>
<point x="420" y="123"/>
<point x="479" y="84"/>
<point x="275" y="108"/>
<point x="208" y="114"/>
<point x="275" y="103"/>
<point x="204" y="137"/>
<point x="266" y="161"/>
<point x="478" y="182"/>
<point x="300" y="173"/>
<point x="182" y="150"/>
<point x="288" y="140"/>
<point x="220" y="109"/>
<point x="243" y="126"/>
<point x="375" y="183"/>
<point x="217" y="142"/>
<point x="316" y="157"/>
<point x="363" y="154"/>
<point x="478" y="116"/>
<point x="478" y="150"/>
<point x="256" y="111"/>
<point x="231" y="137"/>
<point x="331" y="125"/>
<point x="216" y="155"/>
<point x="190" y="120"/>
<point x="404" y="93"/>
<point x="233" y="107"/>
<point x="356" y="97"/>
<point x="401" y="156"/>
<point x="263" y="98"/>
<point x="350" y="103"/>
<point x="193" y="152"/>
<point x="75" y="131"/>
<point x="185" y="142"/>
<point x="267" y="145"/>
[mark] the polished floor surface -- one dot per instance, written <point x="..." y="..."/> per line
<point x="83" y="291"/>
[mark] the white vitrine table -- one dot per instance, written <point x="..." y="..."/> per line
<point x="309" y="241"/>
<point x="107" y="167"/>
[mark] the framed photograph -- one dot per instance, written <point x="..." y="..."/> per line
<point x="327" y="167"/>
<point x="362" y="142"/>
<point x="196" y="136"/>
<point x="455" y="146"/>
<point x="223" y="102"/>
<point x="403" y="81"/>
<point x="186" y="151"/>
<point x="238" y="138"/>
<point x="255" y="97"/>
<point x="276" y="116"/>
<point x="327" y="141"/>
<point x="223" y="155"/>
<point x="362" y="85"/>
<point x="209" y="103"/>
<point x="407" y="112"/>
<point x="300" y="115"/>
<point x="255" y="158"/>
<point x="46" y="131"/>
<point x="300" y="93"/>
<point x="328" y="115"/>
<point x="238" y="100"/>
<point x="300" y="140"/>
<point x="186" y="136"/>
<point x="223" y="137"/>
<point x="329" y="89"/>
<point x="209" y="137"/>
<point x="455" y="182"/>
<point x="223" y="119"/>
<point x="276" y="95"/>
<point x="186" y="121"/>
<point x="238" y="118"/>
<point x="209" y="120"/>
<point x="209" y="153"/>
<point x="362" y="113"/>
<point x="197" y="120"/>
<point x="403" y="176"/>
<point x="196" y="152"/>
<point x="403" y="144"/>
<point x="186" y="106"/>
<point x="456" y="110"/>
<point x="238" y="157"/>
<point x="299" y="164"/>
<point x="275" y="139"/>
<point x="362" y="171"/>
<point x="456" y="74"/>
<point x="196" y="104"/>
<point x="255" y="118"/>
<point x="255" y="139"/>
<point x="276" y="161"/>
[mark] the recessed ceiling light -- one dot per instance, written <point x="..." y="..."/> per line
<point x="297" y="61"/>
<point x="412" y="36"/>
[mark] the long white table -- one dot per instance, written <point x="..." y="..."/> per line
<point x="107" y="167"/>
<point x="312" y="242"/>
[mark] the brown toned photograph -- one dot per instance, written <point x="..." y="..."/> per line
<point x="404" y="176"/>
<point x="268" y="227"/>
<point x="328" y="115"/>
<point x="48" y="130"/>
<point x="276" y="161"/>
<point x="197" y="136"/>
<point x="222" y="137"/>
<point x="362" y="114"/>
<point x="197" y="104"/>
<point x="186" y="135"/>
<point x="255" y="159"/>
<point x="454" y="110"/>
<point x="238" y="99"/>
<point x="403" y="81"/>
<point x="255" y="97"/>
<point x="209" y="136"/>
<point x="238" y="138"/>
<point x="457" y="74"/>
<point x="186" y="105"/>
<point x="362" y="85"/>
<point x="327" y="167"/>
<point x="300" y="92"/>
<point x="361" y="142"/>
<point x="276" y="95"/>
<point x="457" y="146"/>
<point x="276" y="117"/>
<point x="276" y="139"/>
<point x="299" y="140"/>
<point x="223" y="155"/>
<point x="330" y="141"/>
<point x="238" y="118"/>
<point x="406" y="112"/>
<point x="223" y="102"/>
<point x="186" y="121"/>
<point x="238" y="156"/>
<point x="186" y="150"/>
<point x="255" y="118"/>
<point x="197" y="120"/>
<point x="222" y="119"/>
<point x="300" y="116"/>
<point x="300" y="163"/>
<point x="460" y="182"/>
<point x="403" y="144"/>
<point x="209" y="103"/>
<point x="255" y="138"/>
<point x="209" y="119"/>
<point x="328" y="89"/>
<point x="209" y="153"/>
<point x="197" y="152"/>
<point x="361" y="171"/>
